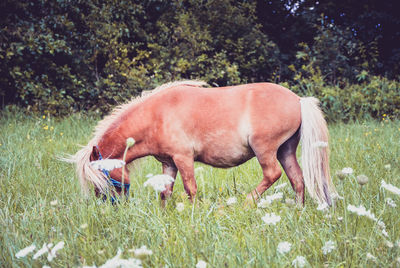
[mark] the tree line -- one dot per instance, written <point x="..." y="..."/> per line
<point x="61" y="56"/>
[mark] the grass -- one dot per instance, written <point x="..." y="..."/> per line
<point x="221" y="235"/>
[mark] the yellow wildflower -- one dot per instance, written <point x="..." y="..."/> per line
<point x="44" y="117"/>
<point x="46" y="127"/>
<point x="61" y="134"/>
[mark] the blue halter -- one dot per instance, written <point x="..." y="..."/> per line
<point x="112" y="181"/>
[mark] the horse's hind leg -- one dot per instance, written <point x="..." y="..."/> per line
<point x="288" y="160"/>
<point x="270" y="167"/>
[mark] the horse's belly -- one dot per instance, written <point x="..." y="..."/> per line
<point x="225" y="156"/>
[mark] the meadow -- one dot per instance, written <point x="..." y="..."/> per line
<point x="41" y="202"/>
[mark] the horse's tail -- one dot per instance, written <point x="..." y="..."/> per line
<point x="86" y="173"/>
<point x="315" y="152"/>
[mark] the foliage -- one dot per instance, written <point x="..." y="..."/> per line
<point x="58" y="57"/>
<point x="40" y="202"/>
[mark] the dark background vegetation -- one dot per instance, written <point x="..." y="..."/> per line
<point x="62" y="56"/>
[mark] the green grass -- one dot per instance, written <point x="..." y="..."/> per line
<point x="221" y="235"/>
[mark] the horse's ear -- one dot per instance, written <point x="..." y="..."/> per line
<point x="95" y="154"/>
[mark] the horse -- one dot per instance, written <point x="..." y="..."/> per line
<point x="186" y="121"/>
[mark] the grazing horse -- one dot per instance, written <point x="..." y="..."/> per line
<point x="182" y="122"/>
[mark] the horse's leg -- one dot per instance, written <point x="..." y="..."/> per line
<point x="170" y="169"/>
<point x="271" y="171"/>
<point x="185" y="165"/>
<point x="287" y="157"/>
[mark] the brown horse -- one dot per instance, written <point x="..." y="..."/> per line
<point x="182" y="122"/>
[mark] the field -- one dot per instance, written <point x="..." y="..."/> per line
<point x="41" y="202"/>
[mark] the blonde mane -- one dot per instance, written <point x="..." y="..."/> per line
<point x="104" y="124"/>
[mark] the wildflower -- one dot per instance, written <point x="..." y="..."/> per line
<point x="54" y="202"/>
<point x="180" y="207"/>
<point x="198" y="170"/>
<point x="25" y="251"/>
<point x="299" y="261"/>
<point x="46" y="127"/>
<point x="264" y="202"/>
<point x="44" y="117"/>
<point x="320" y="144"/>
<point x="371" y="257"/>
<point x="52" y="253"/>
<point x="201" y="264"/>
<point x="271" y="219"/>
<point x="45" y="249"/>
<point x="118" y="262"/>
<point x="158" y="182"/>
<point x="142" y="252"/>
<point x="362" y="179"/>
<point x="231" y="201"/>
<point x="323" y="207"/>
<point x="390" y="202"/>
<point x="388" y="166"/>
<point x="340" y="218"/>
<point x="84" y="226"/>
<point x="280" y="186"/>
<point x="390" y="187"/>
<point x="107" y="164"/>
<point x="61" y="133"/>
<point x="284" y="247"/>
<point x="130" y="142"/>
<point x="290" y="202"/>
<point x="347" y="171"/>
<point x="362" y="211"/>
<point x="389" y="244"/>
<point x="328" y="247"/>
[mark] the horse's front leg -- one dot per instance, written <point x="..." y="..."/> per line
<point x="185" y="165"/>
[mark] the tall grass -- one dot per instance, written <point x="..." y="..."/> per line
<point x="223" y="236"/>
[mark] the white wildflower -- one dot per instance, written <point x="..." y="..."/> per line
<point x="371" y="257"/>
<point x="54" y="202"/>
<point x="388" y="166"/>
<point x="340" y="218"/>
<point x="158" y="182"/>
<point x="328" y="247"/>
<point x="231" y="201"/>
<point x="45" y="249"/>
<point x="389" y="244"/>
<point x="84" y="226"/>
<point x="107" y="164"/>
<point x="25" y="251"/>
<point x="347" y="170"/>
<point x="284" y="247"/>
<point x="130" y="142"/>
<point x="323" y="207"/>
<point x="122" y="263"/>
<point x="180" y="207"/>
<point x="142" y="252"/>
<point x="267" y="200"/>
<point x="280" y="186"/>
<point x="201" y="264"/>
<point x="53" y="252"/>
<point x="390" y="202"/>
<point x="320" y="144"/>
<point x="390" y="187"/>
<point x="385" y="233"/>
<point x="362" y="211"/>
<point x="198" y="170"/>
<point x="271" y="219"/>
<point x="299" y="261"/>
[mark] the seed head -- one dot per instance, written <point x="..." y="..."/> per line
<point x="130" y="142"/>
<point x="362" y="180"/>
